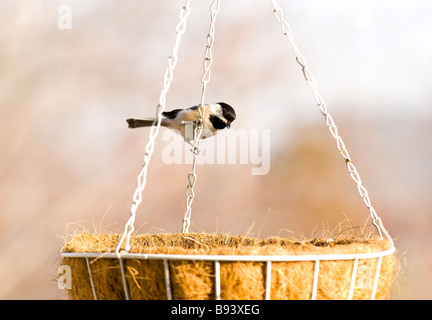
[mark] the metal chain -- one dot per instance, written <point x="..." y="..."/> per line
<point x="286" y="30"/>
<point x="198" y="126"/>
<point x="142" y="176"/>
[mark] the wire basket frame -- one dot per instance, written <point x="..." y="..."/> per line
<point x="218" y="259"/>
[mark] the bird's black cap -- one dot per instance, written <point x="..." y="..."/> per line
<point x="227" y="111"/>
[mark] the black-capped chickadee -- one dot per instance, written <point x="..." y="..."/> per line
<point x="216" y="117"/>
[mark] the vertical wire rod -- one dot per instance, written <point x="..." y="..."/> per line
<point x="353" y="279"/>
<point x="91" y="279"/>
<point x="268" y="280"/>
<point x="124" y="279"/>
<point x="315" y="280"/>
<point x="217" y="280"/>
<point x="167" y="279"/>
<point x="376" y="279"/>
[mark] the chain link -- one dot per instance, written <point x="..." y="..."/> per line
<point x="286" y="30"/>
<point x="142" y="176"/>
<point x="198" y="125"/>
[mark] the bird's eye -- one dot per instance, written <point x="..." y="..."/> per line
<point x="217" y="122"/>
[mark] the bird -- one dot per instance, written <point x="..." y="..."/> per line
<point x="217" y="116"/>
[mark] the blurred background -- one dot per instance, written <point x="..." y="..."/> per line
<point x="68" y="160"/>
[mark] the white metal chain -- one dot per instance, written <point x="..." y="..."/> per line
<point x="198" y="127"/>
<point x="286" y="30"/>
<point x="142" y="176"/>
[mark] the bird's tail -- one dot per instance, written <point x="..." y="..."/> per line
<point x="136" y="123"/>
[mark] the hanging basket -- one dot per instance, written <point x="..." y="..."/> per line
<point x="208" y="266"/>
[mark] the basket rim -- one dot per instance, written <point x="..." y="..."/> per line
<point x="252" y="258"/>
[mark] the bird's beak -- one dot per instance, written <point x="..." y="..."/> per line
<point x="228" y="125"/>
